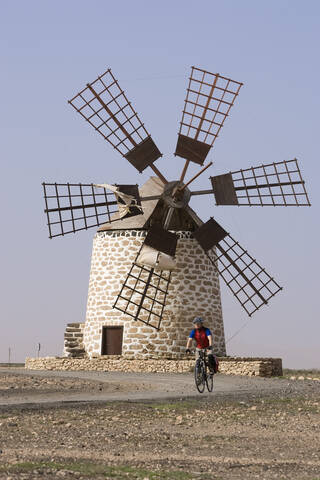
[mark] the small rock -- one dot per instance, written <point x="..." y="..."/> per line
<point x="301" y="378"/>
<point x="254" y="407"/>
<point x="293" y="378"/>
<point x="58" y="422"/>
<point x="179" y="420"/>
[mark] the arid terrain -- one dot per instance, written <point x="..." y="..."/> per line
<point x="157" y="427"/>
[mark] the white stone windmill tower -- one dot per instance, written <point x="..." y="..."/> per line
<point x="155" y="264"/>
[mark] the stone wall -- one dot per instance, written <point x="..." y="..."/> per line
<point x="194" y="290"/>
<point x="263" y="367"/>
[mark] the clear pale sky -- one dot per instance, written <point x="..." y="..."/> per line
<point x="50" y="49"/>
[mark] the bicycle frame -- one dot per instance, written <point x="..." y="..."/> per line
<point x="204" y="356"/>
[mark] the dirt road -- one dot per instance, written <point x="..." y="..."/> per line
<point x="155" y="427"/>
<point x="19" y="386"/>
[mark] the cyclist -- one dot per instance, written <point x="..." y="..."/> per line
<point x="203" y="338"/>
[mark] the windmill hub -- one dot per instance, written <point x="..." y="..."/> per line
<point x="175" y="196"/>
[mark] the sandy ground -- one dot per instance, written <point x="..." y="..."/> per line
<point x="149" y="426"/>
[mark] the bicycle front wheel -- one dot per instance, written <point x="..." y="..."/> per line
<point x="209" y="382"/>
<point x="199" y="376"/>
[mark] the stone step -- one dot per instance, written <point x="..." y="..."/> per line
<point x="77" y="346"/>
<point x="71" y="344"/>
<point x="73" y="330"/>
<point x="71" y="355"/>
<point x="77" y="325"/>
<point x="73" y="336"/>
<point x="74" y="350"/>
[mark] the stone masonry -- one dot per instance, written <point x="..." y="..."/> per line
<point x="262" y="367"/>
<point x="194" y="290"/>
<point x="73" y="340"/>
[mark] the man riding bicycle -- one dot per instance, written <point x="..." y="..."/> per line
<point x="203" y="338"/>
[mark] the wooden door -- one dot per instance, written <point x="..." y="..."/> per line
<point x="111" y="340"/>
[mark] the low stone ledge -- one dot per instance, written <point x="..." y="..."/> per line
<point x="261" y="367"/>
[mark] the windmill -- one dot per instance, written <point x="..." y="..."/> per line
<point x="73" y="207"/>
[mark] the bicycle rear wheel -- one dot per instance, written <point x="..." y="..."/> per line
<point x="209" y="382"/>
<point x="199" y="376"/>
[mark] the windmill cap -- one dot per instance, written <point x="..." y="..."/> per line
<point x="198" y="320"/>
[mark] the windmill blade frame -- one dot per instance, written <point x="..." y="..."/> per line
<point x="274" y="184"/>
<point x="249" y="282"/>
<point x="72" y="207"/>
<point x="106" y="107"/>
<point x="209" y="99"/>
<point x="143" y="294"/>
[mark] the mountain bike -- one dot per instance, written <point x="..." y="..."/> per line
<point x="202" y="375"/>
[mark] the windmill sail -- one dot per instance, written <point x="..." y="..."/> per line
<point x="274" y="184"/>
<point x="252" y="286"/>
<point x="128" y="199"/>
<point x="209" y="100"/>
<point x="158" y="250"/>
<point x="105" y="106"/>
<point x="143" y="294"/>
<point x="71" y="207"/>
<point x="158" y="260"/>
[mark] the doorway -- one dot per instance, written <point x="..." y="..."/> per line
<point x="111" y="340"/>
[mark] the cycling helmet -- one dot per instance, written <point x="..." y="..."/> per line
<point x="198" y="320"/>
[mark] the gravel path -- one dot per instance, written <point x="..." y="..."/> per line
<point x="28" y="387"/>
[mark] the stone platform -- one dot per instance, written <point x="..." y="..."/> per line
<point x="261" y="367"/>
